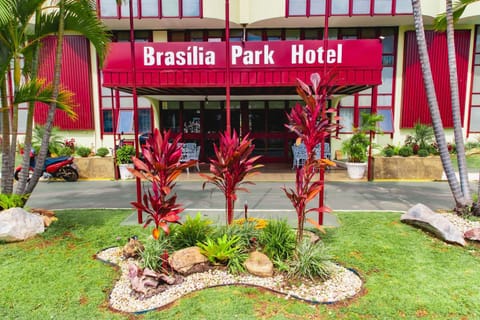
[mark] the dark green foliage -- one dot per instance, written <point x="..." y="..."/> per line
<point x="154" y="250"/>
<point x="192" y="231"/>
<point x="311" y="260"/>
<point x="405" y="151"/>
<point x="83" y="151"/>
<point x="246" y="233"/>
<point x="389" y="152"/>
<point x="54" y="144"/>
<point x="124" y="154"/>
<point x="102" y="152"/>
<point x="423" y="153"/>
<point x="278" y="240"/>
<point x="8" y="201"/>
<point x="220" y="250"/>
<point x="357" y="146"/>
<point x="64" y="151"/>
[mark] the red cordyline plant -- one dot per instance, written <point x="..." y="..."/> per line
<point x="231" y="167"/>
<point x="161" y="166"/>
<point x="312" y="126"/>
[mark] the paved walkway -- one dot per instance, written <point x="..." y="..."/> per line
<point x="265" y="199"/>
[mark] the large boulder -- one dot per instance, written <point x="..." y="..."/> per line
<point x="423" y="217"/>
<point x="17" y="224"/>
<point x="189" y="260"/>
<point x="259" y="264"/>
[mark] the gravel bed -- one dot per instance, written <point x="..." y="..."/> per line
<point x="462" y="224"/>
<point x="343" y="284"/>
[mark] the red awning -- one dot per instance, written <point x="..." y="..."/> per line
<point x="266" y="68"/>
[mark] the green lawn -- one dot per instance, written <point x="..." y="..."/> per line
<point x="473" y="162"/>
<point x="407" y="274"/>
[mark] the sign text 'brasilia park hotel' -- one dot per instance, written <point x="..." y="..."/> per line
<point x="282" y="54"/>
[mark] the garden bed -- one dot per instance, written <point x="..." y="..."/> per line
<point x="343" y="284"/>
<point x="414" y="167"/>
<point x="95" y="167"/>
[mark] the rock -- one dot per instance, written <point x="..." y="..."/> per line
<point x="17" y="224"/>
<point x="259" y="264"/>
<point x="132" y="249"/>
<point x="188" y="261"/>
<point x="423" y="217"/>
<point x="473" y="234"/>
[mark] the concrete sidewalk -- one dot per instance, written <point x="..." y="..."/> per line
<point x="265" y="199"/>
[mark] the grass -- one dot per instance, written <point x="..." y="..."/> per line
<point x="473" y="162"/>
<point x="407" y="274"/>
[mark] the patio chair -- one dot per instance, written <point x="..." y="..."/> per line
<point x="299" y="155"/>
<point x="326" y="152"/>
<point x="190" y="151"/>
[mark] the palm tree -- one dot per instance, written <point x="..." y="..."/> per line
<point x="460" y="201"/>
<point x="76" y="15"/>
<point x="446" y="21"/>
<point x="457" y="121"/>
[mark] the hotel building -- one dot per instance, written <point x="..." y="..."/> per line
<point x="180" y="69"/>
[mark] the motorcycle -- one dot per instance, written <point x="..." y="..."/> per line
<point x="55" y="167"/>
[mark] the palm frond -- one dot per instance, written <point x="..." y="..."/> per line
<point x="37" y="91"/>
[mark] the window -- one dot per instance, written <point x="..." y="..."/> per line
<point x="121" y="104"/>
<point x="351" y="107"/>
<point x="348" y="7"/>
<point x="151" y="9"/>
<point x="475" y="98"/>
<point x="124" y="36"/>
<point x="361" y="7"/>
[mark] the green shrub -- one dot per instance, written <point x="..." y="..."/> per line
<point x="64" y="151"/>
<point x="423" y="153"/>
<point x="278" y="240"/>
<point x="125" y="154"/>
<point x="405" y="151"/>
<point x="389" y="152"/>
<point x="83" y="151"/>
<point x="311" y="260"/>
<point x="220" y="250"/>
<point x="192" y="231"/>
<point x="8" y="201"/>
<point x="246" y="232"/>
<point x="151" y="256"/>
<point x="102" y="152"/>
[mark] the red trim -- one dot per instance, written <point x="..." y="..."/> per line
<point x="254" y="64"/>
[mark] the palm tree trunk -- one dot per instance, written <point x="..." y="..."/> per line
<point x="7" y="175"/>
<point x="457" y="122"/>
<point x="22" y="183"/>
<point x="460" y="202"/>
<point x="40" y="161"/>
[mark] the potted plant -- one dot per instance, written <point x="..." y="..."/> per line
<point x="124" y="161"/>
<point x="356" y="147"/>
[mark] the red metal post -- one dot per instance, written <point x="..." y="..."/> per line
<point x="372" y="134"/>
<point x="321" y="194"/>
<point x="135" y="104"/>
<point x="227" y="67"/>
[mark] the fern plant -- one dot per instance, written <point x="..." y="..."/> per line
<point x="220" y="250"/>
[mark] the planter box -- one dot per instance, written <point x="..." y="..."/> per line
<point x="96" y="167"/>
<point x="422" y="168"/>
